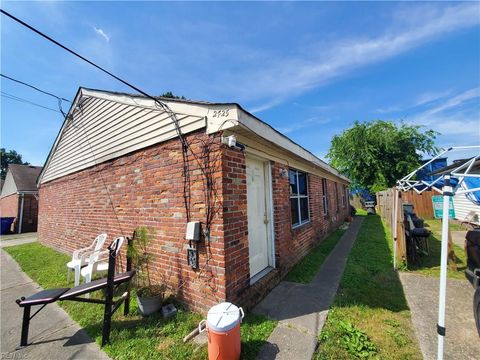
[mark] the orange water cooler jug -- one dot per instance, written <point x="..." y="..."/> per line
<point x="223" y="331"/>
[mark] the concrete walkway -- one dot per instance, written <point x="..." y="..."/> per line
<point x="461" y="340"/>
<point x="53" y="335"/>
<point x="302" y="309"/>
<point x="17" y="239"/>
<point x="458" y="237"/>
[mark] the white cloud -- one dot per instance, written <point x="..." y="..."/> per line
<point x="313" y="121"/>
<point x="454" y="102"/>
<point x="457" y="118"/>
<point x="101" y="33"/>
<point x="431" y="96"/>
<point x="283" y="77"/>
<point x="458" y="127"/>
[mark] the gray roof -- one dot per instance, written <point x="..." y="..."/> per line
<point x="25" y="176"/>
<point x="163" y="98"/>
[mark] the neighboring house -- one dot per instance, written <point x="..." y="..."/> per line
<point x="466" y="206"/>
<point x="19" y="197"/>
<point x="119" y="163"/>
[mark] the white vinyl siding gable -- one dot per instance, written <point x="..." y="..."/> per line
<point x="465" y="210"/>
<point x="9" y="186"/>
<point x="102" y="129"/>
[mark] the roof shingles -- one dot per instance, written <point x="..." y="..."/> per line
<point x="25" y="176"/>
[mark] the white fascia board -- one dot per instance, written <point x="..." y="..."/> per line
<point x="27" y="192"/>
<point x="222" y="117"/>
<point x="269" y="133"/>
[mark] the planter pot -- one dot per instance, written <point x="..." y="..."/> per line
<point x="149" y="305"/>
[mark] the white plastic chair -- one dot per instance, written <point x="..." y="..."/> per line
<point x="80" y="257"/>
<point x="98" y="261"/>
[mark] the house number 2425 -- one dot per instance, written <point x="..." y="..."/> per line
<point x="220" y="113"/>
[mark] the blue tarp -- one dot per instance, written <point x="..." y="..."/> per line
<point x="364" y="193"/>
<point x="435" y="165"/>
<point x="438" y="184"/>
<point x="472" y="183"/>
<point x="468" y="183"/>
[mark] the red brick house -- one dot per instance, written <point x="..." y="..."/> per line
<point x="122" y="161"/>
<point x="19" y="197"/>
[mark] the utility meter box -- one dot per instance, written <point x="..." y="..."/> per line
<point x="193" y="231"/>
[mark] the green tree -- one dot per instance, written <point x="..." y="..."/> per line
<point x="10" y="157"/>
<point x="171" y="95"/>
<point x="377" y="153"/>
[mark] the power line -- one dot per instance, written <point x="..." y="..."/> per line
<point x="35" y="88"/>
<point x="76" y="54"/>
<point x="16" y="98"/>
<point x="165" y="107"/>
<point x="162" y="105"/>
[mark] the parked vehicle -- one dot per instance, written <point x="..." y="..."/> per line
<point x="472" y="249"/>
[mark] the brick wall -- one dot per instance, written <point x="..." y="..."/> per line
<point x="237" y="268"/>
<point x="9" y="207"/>
<point x="291" y="245"/>
<point x="146" y="189"/>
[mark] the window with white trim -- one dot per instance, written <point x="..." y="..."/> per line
<point x="298" y="197"/>
<point x="324" y="197"/>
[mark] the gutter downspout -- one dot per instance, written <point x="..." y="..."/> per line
<point x="21" y="214"/>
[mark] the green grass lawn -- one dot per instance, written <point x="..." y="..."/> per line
<point x="430" y="265"/>
<point x="370" y="317"/>
<point x="132" y="337"/>
<point x="305" y="271"/>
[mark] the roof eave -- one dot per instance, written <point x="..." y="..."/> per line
<point x="270" y="133"/>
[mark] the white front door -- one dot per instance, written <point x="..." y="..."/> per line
<point x="258" y="209"/>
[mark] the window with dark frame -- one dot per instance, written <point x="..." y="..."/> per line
<point x="298" y="197"/>
<point x="324" y="197"/>
<point x="344" y="196"/>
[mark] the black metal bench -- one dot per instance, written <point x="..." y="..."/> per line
<point x="109" y="283"/>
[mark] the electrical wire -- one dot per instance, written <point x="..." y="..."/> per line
<point x="35" y="88"/>
<point x="59" y="99"/>
<point x="16" y="98"/>
<point x="164" y="106"/>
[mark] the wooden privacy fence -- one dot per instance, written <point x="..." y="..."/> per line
<point x="423" y="207"/>
<point x="385" y="207"/>
<point x="422" y="203"/>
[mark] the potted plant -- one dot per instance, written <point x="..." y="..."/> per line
<point x="149" y="294"/>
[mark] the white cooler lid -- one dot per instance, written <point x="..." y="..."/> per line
<point x="223" y="317"/>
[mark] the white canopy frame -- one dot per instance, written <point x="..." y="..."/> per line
<point x="448" y="191"/>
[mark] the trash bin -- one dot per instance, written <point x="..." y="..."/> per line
<point x="370" y="206"/>
<point x="6" y="223"/>
<point x="223" y="331"/>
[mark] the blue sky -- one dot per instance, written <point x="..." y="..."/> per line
<point x="309" y="69"/>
